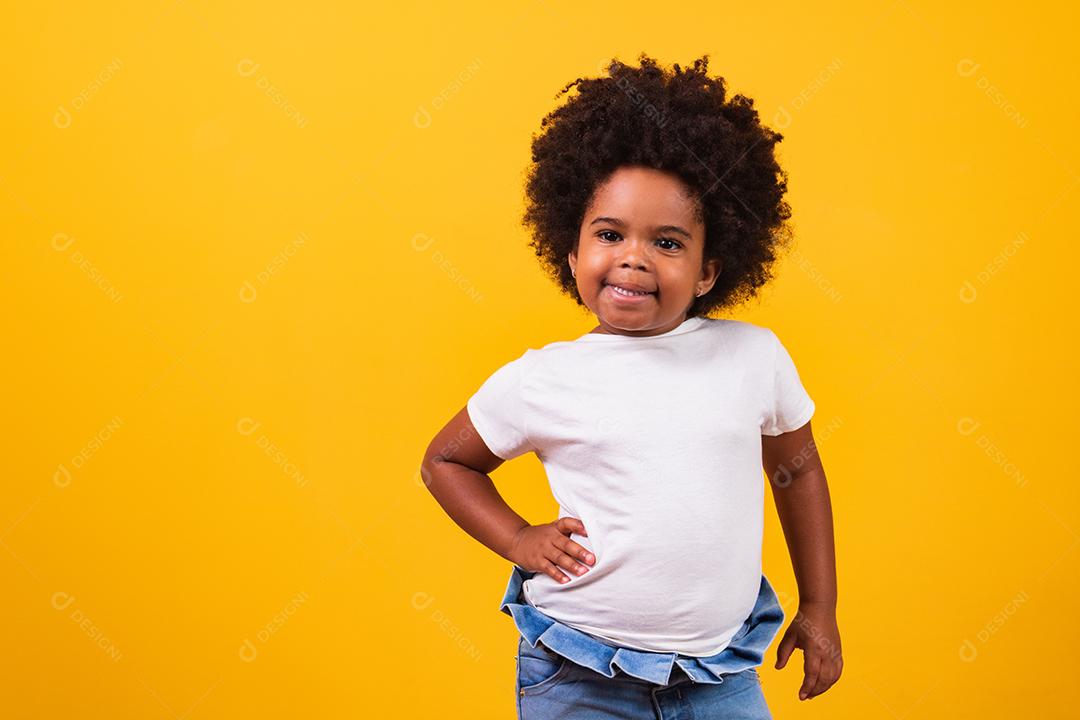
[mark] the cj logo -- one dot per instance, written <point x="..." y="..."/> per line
<point x="62" y="600"/>
<point x="246" y="426"/>
<point x="248" y="651"/>
<point x="247" y="67"/>
<point x="62" y="118"/>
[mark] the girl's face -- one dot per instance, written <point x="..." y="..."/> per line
<point x="641" y="233"/>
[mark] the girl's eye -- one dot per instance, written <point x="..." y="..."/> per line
<point x="603" y="234"/>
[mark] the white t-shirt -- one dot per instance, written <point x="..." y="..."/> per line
<point x="654" y="443"/>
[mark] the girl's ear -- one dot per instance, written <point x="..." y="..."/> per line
<point x="710" y="270"/>
<point x="572" y="257"/>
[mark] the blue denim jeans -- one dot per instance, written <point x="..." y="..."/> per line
<point x="563" y="672"/>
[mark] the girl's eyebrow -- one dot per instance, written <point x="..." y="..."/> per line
<point x="660" y="228"/>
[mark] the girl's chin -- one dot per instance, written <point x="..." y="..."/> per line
<point x="627" y="318"/>
<point x="630" y="319"/>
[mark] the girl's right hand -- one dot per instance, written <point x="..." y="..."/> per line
<point x="547" y="548"/>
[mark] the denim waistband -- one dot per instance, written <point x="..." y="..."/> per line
<point x="746" y="649"/>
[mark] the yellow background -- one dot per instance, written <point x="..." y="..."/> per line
<point x="255" y="257"/>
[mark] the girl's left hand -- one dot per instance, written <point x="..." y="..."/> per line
<point x="815" y="632"/>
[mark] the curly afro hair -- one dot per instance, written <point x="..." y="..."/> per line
<point x="679" y="122"/>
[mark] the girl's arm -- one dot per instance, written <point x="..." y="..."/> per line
<point x="802" y="501"/>
<point x="456" y="470"/>
<point x="801" y="494"/>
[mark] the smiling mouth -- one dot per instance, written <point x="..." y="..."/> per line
<point x="622" y="292"/>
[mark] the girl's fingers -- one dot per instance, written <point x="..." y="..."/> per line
<point x="811" y="670"/>
<point x="555" y="573"/>
<point x="572" y="566"/>
<point x="786" y="647"/>
<point x="824" y="682"/>
<point x="572" y="548"/>
<point x="572" y="524"/>
<point x="830" y="673"/>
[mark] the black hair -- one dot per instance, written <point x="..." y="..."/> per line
<point x="678" y="121"/>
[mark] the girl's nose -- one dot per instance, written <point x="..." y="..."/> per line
<point x="633" y="253"/>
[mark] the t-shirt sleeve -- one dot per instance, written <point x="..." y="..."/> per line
<point x="498" y="411"/>
<point x="790" y="406"/>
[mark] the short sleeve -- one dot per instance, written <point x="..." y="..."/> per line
<point x="790" y="406"/>
<point x="498" y="411"/>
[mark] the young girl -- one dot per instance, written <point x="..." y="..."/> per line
<point x="653" y="201"/>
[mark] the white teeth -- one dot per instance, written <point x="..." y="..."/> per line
<point x="631" y="293"/>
